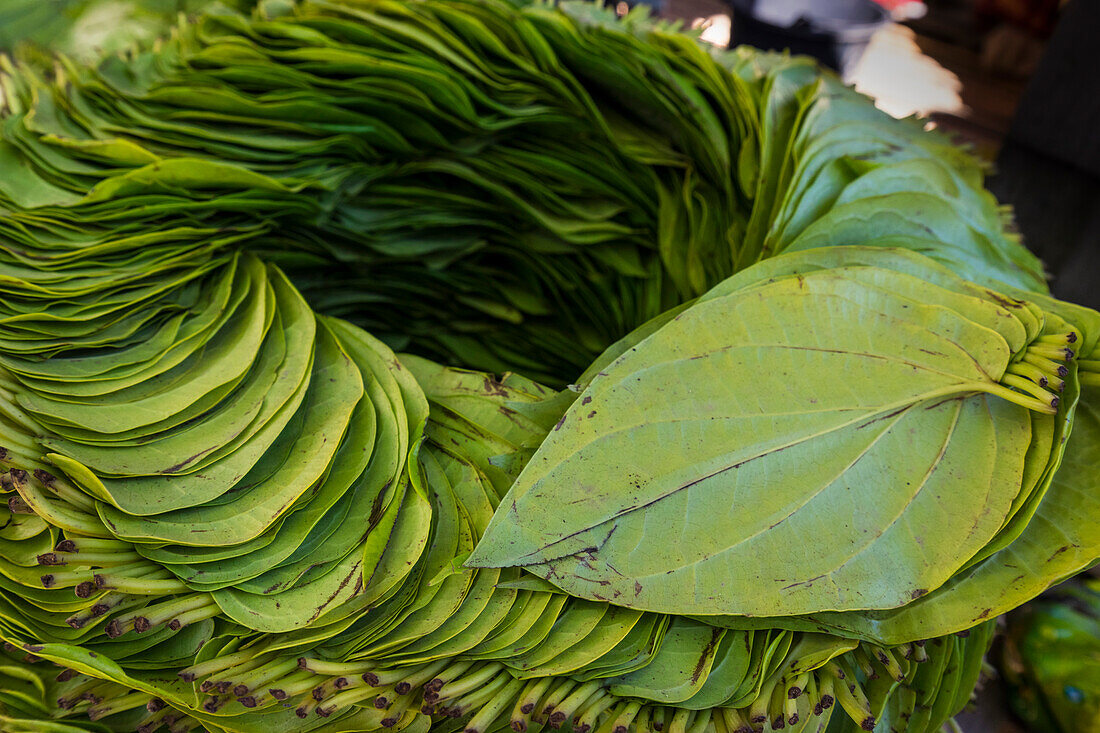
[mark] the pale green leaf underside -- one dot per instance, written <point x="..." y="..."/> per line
<point x="1059" y="541"/>
<point x="693" y="472"/>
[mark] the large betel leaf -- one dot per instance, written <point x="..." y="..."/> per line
<point x="689" y="474"/>
<point x="1060" y="541"/>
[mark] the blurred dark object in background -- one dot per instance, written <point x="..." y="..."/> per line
<point x="1049" y="166"/>
<point x="1035" y="16"/>
<point x="1050" y="659"/>
<point x="835" y="32"/>
<point x="657" y="6"/>
<point x="1009" y="35"/>
<point x="1014" y="32"/>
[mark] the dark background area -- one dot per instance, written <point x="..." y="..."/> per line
<point x="1049" y="165"/>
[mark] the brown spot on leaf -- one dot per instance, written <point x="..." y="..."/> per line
<point x="1003" y="301"/>
<point x="493" y="387"/>
<point x="806" y="583"/>
<point x="355" y="571"/>
<point x="376" y="507"/>
<point x="715" y="635"/>
<point x="185" y="462"/>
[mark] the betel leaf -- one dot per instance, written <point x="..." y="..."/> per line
<point x="805" y="406"/>
<point x="679" y="669"/>
<point x="1059" y="541"/>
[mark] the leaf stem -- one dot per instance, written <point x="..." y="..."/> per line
<point x="66" y="578"/>
<point x="998" y="390"/>
<point x="257" y="678"/>
<point x="163" y="612"/>
<point x="555" y="696"/>
<point x="119" y="704"/>
<point x="1026" y="386"/>
<point x="194" y="616"/>
<point x="96" y="559"/>
<point x="476" y="698"/>
<point x="457" y="688"/>
<point x="217" y="664"/>
<point x="1047" y="365"/>
<point x="327" y="668"/>
<point x="851" y="697"/>
<point x="1058" y="339"/>
<point x="1029" y="371"/>
<point x="735" y="722"/>
<point x="528" y="700"/>
<point x="65" y="491"/>
<point x="626" y="716"/>
<point x="491" y="710"/>
<point x="410" y="679"/>
<point x="1050" y="351"/>
<point x="140" y="586"/>
<point x="228" y="677"/>
<point x="433" y="686"/>
<point x="185" y="724"/>
<point x="57" y="513"/>
<point x="292" y="685"/>
<point x="679" y="721"/>
<point x="585" y="717"/>
<point x="92" y="544"/>
<point x="343" y="699"/>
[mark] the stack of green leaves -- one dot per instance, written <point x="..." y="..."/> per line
<point x="823" y="422"/>
<point x="494" y="186"/>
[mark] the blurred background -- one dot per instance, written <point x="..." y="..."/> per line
<point x="965" y="63"/>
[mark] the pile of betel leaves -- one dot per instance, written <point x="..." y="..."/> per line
<point x="776" y="415"/>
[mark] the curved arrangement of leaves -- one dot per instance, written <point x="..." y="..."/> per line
<point x="823" y="421"/>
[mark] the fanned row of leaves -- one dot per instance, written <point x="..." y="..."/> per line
<point x="499" y="187"/>
<point x="787" y="478"/>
